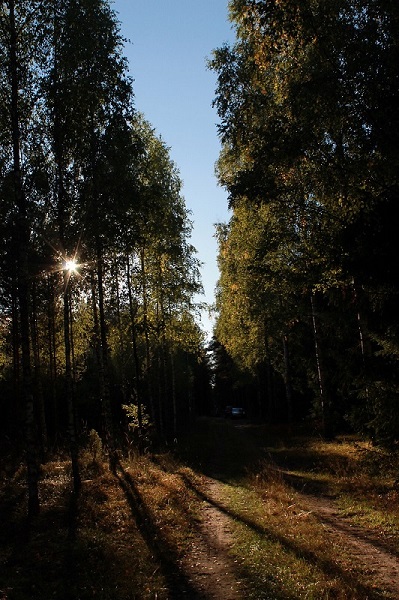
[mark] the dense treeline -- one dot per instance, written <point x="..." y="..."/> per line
<point x="308" y="99"/>
<point x="97" y="274"/>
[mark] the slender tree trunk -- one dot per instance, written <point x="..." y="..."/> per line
<point x="63" y="218"/>
<point x="360" y="324"/>
<point x="18" y="409"/>
<point x="364" y="343"/>
<point x="271" y="400"/>
<point x="52" y="354"/>
<point x="162" y="380"/>
<point x="287" y="377"/>
<point x="325" y="401"/>
<point x="69" y="387"/>
<point x="121" y="340"/>
<point x="96" y="330"/>
<point x="23" y="274"/>
<point x="173" y="393"/>
<point x="41" y="415"/>
<point x="146" y="334"/>
<point x="105" y="391"/>
<point x="73" y="359"/>
<point x="191" y="411"/>
<point x="137" y="364"/>
<point x="160" y="421"/>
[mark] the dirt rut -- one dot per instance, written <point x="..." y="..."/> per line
<point x="208" y="565"/>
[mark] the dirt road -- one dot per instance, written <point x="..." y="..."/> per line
<point x="209" y="564"/>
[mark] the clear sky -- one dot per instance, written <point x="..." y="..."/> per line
<point x="169" y="42"/>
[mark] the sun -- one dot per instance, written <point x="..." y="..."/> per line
<point x="71" y="265"/>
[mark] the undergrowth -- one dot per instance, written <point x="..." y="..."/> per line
<point x="121" y="538"/>
<point x="124" y="536"/>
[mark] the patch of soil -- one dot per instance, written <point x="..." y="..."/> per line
<point x="208" y="566"/>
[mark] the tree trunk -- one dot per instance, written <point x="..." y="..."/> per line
<point x="52" y="355"/>
<point x="18" y="408"/>
<point x="41" y="415"/>
<point x="146" y="335"/>
<point x="69" y="387"/>
<point x="104" y="382"/>
<point x="173" y="393"/>
<point x="23" y="275"/>
<point x="325" y="400"/>
<point x="271" y="397"/>
<point x="137" y="364"/>
<point x="287" y="377"/>
<point x="96" y="330"/>
<point x="121" y="341"/>
<point x="63" y="219"/>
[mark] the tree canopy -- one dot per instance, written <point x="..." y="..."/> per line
<point x="307" y="99"/>
<point x="98" y="319"/>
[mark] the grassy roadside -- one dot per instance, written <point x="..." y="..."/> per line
<point x="120" y="539"/>
<point x="362" y="479"/>
<point x="124" y="536"/>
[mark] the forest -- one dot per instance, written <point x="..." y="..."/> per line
<point x="100" y="336"/>
<point x="307" y="299"/>
<point x="98" y="277"/>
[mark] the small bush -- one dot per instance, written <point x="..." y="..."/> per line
<point x="95" y="446"/>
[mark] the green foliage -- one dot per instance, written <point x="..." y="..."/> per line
<point x="95" y="183"/>
<point x="309" y="165"/>
<point x="132" y="413"/>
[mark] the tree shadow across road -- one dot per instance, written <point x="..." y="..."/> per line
<point x="330" y="568"/>
<point x="164" y="554"/>
<point x="232" y="453"/>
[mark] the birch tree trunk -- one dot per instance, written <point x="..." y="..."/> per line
<point x="137" y="364"/>
<point x="69" y="387"/>
<point x="324" y="397"/>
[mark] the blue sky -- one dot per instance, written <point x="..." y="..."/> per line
<point x="169" y="42"/>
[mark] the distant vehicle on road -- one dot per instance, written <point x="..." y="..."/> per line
<point x="234" y="412"/>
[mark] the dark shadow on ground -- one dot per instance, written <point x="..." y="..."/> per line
<point x="221" y="448"/>
<point x="47" y="558"/>
<point x="165" y="557"/>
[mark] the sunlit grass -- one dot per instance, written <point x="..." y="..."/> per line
<point x="378" y="513"/>
<point x="128" y="531"/>
<point x="281" y="548"/>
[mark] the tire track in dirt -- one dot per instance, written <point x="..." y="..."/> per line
<point x="369" y="553"/>
<point x="211" y="570"/>
<point x="208" y="565"/>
